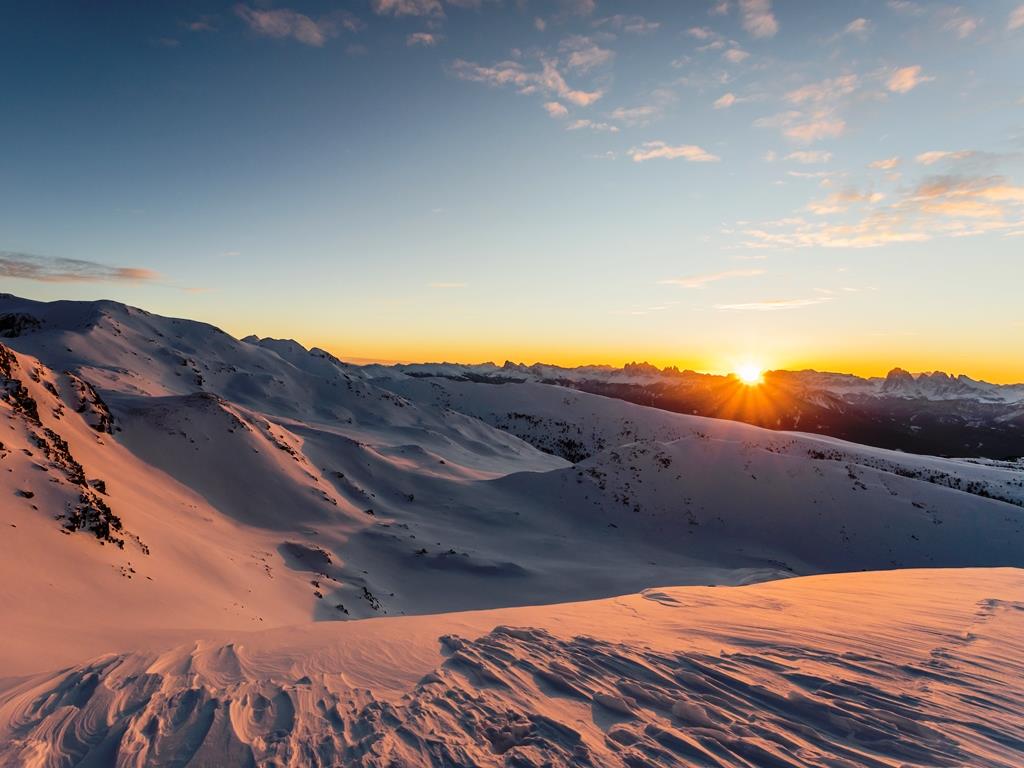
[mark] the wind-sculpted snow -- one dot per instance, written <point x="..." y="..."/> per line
<point x="764" y="676"/>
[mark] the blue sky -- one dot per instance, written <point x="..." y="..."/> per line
<point x="695" y="183"/>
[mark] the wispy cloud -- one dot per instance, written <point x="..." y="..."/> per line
<point x="906" y="79"/>
<point x="577" y="125"/>
<point x="49" y="269"/>
<point x="407" y="7"/>
<point x="958" y="21"/>
<point x="578" y="7"/>
<point x="938" y="206"/>
<point x="825" y="91"/>
<point x="425" y="39"/>
<point x="935" y="156"/>
<point x="858" y="28"/>
<point x="555" y="109"/>
<point x="635" y="25"/>
<point x="735" y="55"/>
<point x="659" y="150"/>
<point x="584" y="54"/>
<point x="202" y="24"/>
<point x="635" y="115"/>
<point x="548" y="80"/>
<point x="1016" y="20"/>
<point x="758" y="19"/>
<point x="700" y="281"/>
<point x="810" y="157"/>
<point x="886" y="164"/>
<point x="285" y="23"/>
<point x="773" y="305"/>
<point x="838" y="202"/>
<point x="725" y="101"/>
<point x="905" y="7"/>
<point x="805" y="127"/>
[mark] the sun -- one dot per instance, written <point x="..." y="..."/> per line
<point x="750" y="374"/>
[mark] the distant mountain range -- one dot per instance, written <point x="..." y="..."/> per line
<point x="928" y="413"/>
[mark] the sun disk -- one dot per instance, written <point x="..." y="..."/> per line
<point x="750" y="374"/>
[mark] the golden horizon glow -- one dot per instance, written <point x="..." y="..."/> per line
<point x="986" y="367"/>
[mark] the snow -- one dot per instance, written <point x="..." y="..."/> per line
<point x="772" y="674"/>
<point x="240" y="551"/>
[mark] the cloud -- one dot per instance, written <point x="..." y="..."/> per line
<point x="447" y="285"/>
<point x="286" y="23"/>
<point x="1016" y="20"/>
<point x="701" y="281"/>
<point x="957" y="22"/>
<point x="701" y="33"/>
<point x="555" y="109"/>
<point x="635" y="115"/>
<point x="838" y="202"/>
<point x="906" y="7"/>
<point x="810" y="157"/>
<point x="735" y="55"/>
<point x="719" y="8"/>
<point x="549" y="80"/>
<point x="906" y="79"/>
<point x="831" y="90"/>
<point x="585" y="54"/>
<point x="931" y="158"/>
<point x="48" y="269"/>
<point x="579" y="7"/>
<point x="817" y="113"/>
<point x="858" y="27"/>
<point x="939" y="206"/>
<point x="805" y="128"/>
<point x="577" y="125"/>
<point x="426" y="39"/>
<point x="407" y="7"/>
<point x="774" y="304"/>
<point x="659" y="150"/>
<point x="758" y="19"/>
<point x="886" y="164"/>
<point x="725" y="101"/>
<point x="635" y="25"/>
<point x="202" y="24"/>
<point x="539" y="24"/>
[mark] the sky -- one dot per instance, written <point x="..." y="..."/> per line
<point x="704" y="184"/>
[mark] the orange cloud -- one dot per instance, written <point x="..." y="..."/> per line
<point x="47" y="269"/>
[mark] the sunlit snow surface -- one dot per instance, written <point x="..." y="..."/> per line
<point x="876" y="669"/>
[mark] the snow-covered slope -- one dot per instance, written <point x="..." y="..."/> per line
<point x="908" y="668"/>
<point x="578" y="425"/>
<point x="927" y="414"/>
